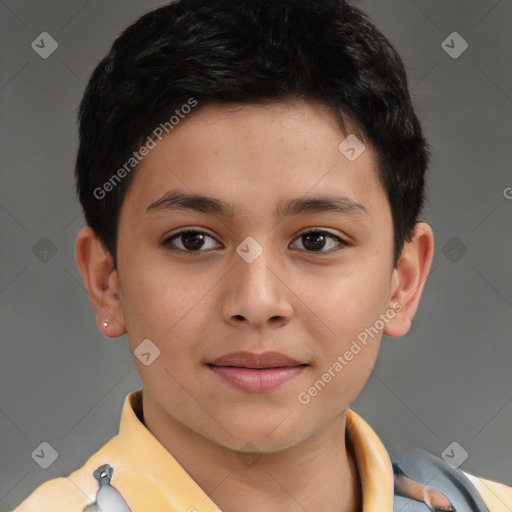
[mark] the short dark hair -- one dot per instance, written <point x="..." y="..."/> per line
<point x="249" y="51"/>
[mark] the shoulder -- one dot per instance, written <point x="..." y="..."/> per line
<point x="497" y="496"/>
<point x="73" y="492"/>
<point x="428" y="482"/>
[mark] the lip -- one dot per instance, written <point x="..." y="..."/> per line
<point x="255" y="361"/>
<point x="256" y="373"/>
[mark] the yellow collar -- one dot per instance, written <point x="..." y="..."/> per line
<point x="142" y="453"/>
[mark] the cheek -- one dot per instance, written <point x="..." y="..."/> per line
<point x="349" y="350"/>
<point x="160" y="302"/>
<point x="350" y="311"/>
<point x="351" y="303"/>
<point x="346" y="379"/>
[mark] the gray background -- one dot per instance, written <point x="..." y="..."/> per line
<point x="448" y="380"/>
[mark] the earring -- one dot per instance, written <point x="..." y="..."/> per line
<point x="105" y="323"/>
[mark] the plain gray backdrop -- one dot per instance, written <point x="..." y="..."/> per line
<point x="448" y="380"/>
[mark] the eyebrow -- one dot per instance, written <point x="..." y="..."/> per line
<point x="176" y="200"/>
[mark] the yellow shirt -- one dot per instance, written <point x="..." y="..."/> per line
<point x="147" y="478"/>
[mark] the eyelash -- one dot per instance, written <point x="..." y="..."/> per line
<point x="168" y="245"/>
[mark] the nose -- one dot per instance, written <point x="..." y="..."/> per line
<point x="257" y="294"/>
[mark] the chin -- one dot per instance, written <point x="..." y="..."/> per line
<point x="267" y="434"/>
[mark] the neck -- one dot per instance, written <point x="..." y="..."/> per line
<point x="319" y="473"/>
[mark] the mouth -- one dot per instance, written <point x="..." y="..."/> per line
<point x="256" y="373"/>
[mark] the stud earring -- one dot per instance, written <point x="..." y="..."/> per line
<point x="105" y="323"/>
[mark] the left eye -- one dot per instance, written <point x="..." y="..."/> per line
<point x="315" y="240"/>
<point x="193" y="240"/>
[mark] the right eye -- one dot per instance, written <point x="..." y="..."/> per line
<point x="191" y="241"/>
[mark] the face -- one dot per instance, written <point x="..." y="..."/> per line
<point x="247" y="279"/>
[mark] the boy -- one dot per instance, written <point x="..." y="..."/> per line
<point x="280" y="137"/>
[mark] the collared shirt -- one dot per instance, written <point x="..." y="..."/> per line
<point x="135" y="472"/>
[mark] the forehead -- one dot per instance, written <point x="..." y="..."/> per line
<point x="258" y="154"/>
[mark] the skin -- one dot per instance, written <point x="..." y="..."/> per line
<point x="307" y="304"/>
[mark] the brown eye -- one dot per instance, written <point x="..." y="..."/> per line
<point x="195" y="241"/>
<point x="191" y="241"/>
<point x="315" y="241"/>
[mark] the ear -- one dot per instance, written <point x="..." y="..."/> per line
<point x="101" y="281"/>
<point x="408" y="279"/>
